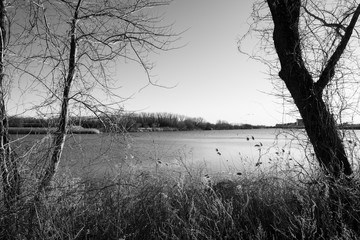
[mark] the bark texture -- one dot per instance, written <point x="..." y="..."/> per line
<point x="307" y="94"/>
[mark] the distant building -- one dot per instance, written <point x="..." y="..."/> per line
<point x="299" y="123"/>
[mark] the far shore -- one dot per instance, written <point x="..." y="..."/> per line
<point x="80" y="130"/>
<point x="29" y="130"/>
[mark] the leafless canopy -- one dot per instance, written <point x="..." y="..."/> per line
<point x="322" y="26"/>
<point x="103" y="32"/>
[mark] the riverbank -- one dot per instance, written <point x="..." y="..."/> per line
<point x="174" y="129"/>
<point x="190" y="204"/>
<point x="30" y="130"/>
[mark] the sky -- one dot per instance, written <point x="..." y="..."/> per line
<point x="208" y="77"/>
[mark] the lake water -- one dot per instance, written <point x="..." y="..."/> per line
<point x="216" y="151"/>
<point x="226" y="150"/>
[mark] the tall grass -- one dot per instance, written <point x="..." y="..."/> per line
<point x="144" y="204"/>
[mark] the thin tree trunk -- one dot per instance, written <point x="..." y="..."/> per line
<point x="60" y="134"/>
<point x="9" y="169"/>
<point x="8" y="165"/>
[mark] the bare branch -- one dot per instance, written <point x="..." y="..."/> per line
<point x="335" y="26"/>
<point x="329" y="70"/>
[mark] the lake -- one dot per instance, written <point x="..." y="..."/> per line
<point x="222" y="150"/>
<point x="216" y="151"/>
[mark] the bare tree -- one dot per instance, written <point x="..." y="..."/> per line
<point x="78" y="43"/>
<point x="8" y="164"/>
<point x="10" y="47"/>
<point x="311" y="39"/>
<point x="70" y="49"/>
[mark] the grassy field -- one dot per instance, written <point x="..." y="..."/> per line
<point x="127" y="199"/>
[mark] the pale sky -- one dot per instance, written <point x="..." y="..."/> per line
<point x="212" y="78"/>
<point x="208" y="77"/>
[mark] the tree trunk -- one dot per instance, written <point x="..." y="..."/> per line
<point x="319" y="122"/>
<point x="320" y="127"/>
<point x="8" y="165"/>
<point x="60" y="134"/>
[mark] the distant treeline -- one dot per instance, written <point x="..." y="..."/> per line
<point x="85" y="122"/>
<point x="132" y="122"/>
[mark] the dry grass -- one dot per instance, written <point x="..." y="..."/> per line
<point x="141" y="204"/>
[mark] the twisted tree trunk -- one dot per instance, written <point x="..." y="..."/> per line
<point x="307" y="93"/>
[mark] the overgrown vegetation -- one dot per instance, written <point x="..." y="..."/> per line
<point x="176" y="204"/>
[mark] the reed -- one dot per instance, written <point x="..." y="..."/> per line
<point x="174" y="204"/>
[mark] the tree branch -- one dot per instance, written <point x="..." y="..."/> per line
<point x="335" y="26"/>
<point x="329" y="71"/>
